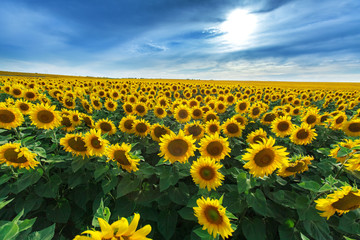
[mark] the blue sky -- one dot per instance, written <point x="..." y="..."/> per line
<point x="299" y="40"/>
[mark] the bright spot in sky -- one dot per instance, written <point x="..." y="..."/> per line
<point x="238" y="27"/>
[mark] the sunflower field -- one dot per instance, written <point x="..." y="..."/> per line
<point x="130" y="159"/>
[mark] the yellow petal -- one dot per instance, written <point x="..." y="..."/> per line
<point x="106" y="229"/>
<point x="119" y="227"/>
<point x="141" y="233"/>
<point x="133" y="225"/>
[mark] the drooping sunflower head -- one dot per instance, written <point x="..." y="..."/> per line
<point x="298" y="166"/>
<point x="352" y="128"/>
<point x="95" y="143"/>
<point x="141" y="128"/>
<point x="106" y="126"/>
<point x="214" y="146"/>
<point x="232" y="128"/>
<point x="177" y="147"/>
<point x="126" y="124"/>
<point x="324" y="118"/>
<point x="45" y="116"/>
<point x="75" y="144"/>
<point x="121" y="155"/>
<point x="213" y="217"/>
<point x="88" y="120"/>
<point x="14" y="155"/>
<point x="195" y="129"/>
<point x="10" y="117"/>
<point x="264" y="158"/>
<point x="182" y="114"/>
<point x="257" y="136"/>
<point x="303" y="135"/>
<point x="157" y="131"/>
<point x="282" y="126"/>
<point x="205" y="172"/>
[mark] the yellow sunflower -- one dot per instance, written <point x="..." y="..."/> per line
<point x="214" y="146"/>
<point x="75" y="144"/>
<point x="311" y="117"/>
<point x="24" y="106"/>
<point x="353" y="164"/>
<point x="95" y="143"/>
<point x="232" y="128"/>
<point x="298" y="166"/>
<point x="75" y="118"/>
<point x="157" y="131"/>
<point x="106" y="126"/>
<point x="210" y="115"/>
<point x="177" y="147"/>
<point x="347" y="143"/>
<point x="126" y="124"/>
<point x="205" y="172"/>
<point x="195" y="129"/>
<point x="282" y="126"/>
<point x="67" y="124"/>
<point x="10" y="117"/>
<point x="14" y="155"/>
<point x="141" y="128"/>
<point x="339" y="120"/>
<point x="256" y="136"/>
<point x="352" y="128"/>
<point x="110" y="105"/>
<point x="213" y="217"/>
<point x="197" y="113"/>
<point x="86" y="105"/>
<point x="182" y="114"/>
<point x="121" y="155"/>
<point x="268" y="118"/>
<point x="241" y="119"/>
<point x="160" y="112"/>
<point x="45" y="116"/>
<point x="341" y="201"/>
<point x="212" y="127"/>
<point x="69" y="103"/>
<point x="96" y="103"/>
<point x="88" y="120"/>
<point x="242" y="106"/>
<point x="264" y="158"/>
<point x="303" y="135"/>
<point x="140" y="109"/>
<point x="255" y="112"/>
<point x="220" y="107"/>
<point x="128" y="108"/>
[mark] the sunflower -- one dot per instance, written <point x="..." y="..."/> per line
<point x="75" y="143"/>
<point x="303" y="135"/>
<point x="182" y="114"/>
<point x="324" y="118"/>
<point x="352" y="128"/>
<point x="177" y="147"/>
<point x="241" y="119"/>
<point x="298" y="166"/>
<point x="255" y="112"/>
<point x="213" y="217"/>
<point x="128" y="108"/>
<point x="204" y="172"/>
<point x="196" y="130"/>
<point x="157" y="131"/>
<point x="347" y="144"/>
<point x="256" y="136"/>
<point x="341" y="201"/>
<point x="69" y="103"/>
<point x="220" y="107"/>
<point x="88" y="120"/>
<point x="339" y="120"/>
<point x="24" y="106"/>
<point x="215" y="147"/>
<point x="197" y="113"/>
<point x="311" y="117"/>
<point x="14" y="155"/>
<point x="160" y="112"/>
<point x="210" y="115"/>
<point x="268" y="118"/>
<point x="282" y="126"/>
<point x="66" y="122"/>
<point x="45" y="116"/>
<point x="353" y="164"/>
<point x="17" y="91"/>
<point x="10" y="117"/>
<point x="126" y="124"/>
<point x="140" y="109"/>
<point x="121" y="155"/>
<point x="242" y="106"/>
<point x="232" y="128"/>
<point x="95" y="143"/>
<point x="96" y="103"/>
<point x="141" y="127"/>
<point x="264" y="158"/>
<point x="110" y="105"/>
<point x="75" y="118"/>
<point x="106" y="126"/>
<point x="212" y="127"/>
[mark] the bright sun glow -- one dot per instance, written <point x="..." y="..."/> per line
<point x="238" y="27"/>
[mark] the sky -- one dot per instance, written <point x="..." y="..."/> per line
<point x="277" y="40"/>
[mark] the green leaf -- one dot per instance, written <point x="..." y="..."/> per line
<point x="108" y="185"/>
<point x="167" y="223"/>
<point x="325" y="151"/>
<point x="4" y="203"/>
<point x="5" y="178"/>
<point x="203" y="234"/>
<point x="20" y="214"/>
<point x="258" y="202"/>
<point x="40" y="151"/>
<point x="310" y="185"/>
<point x="243" y="183"/>
<point x="26" y="224"/>
<point x="27" y="179"/>
<point x="100" y="171"/>
<point x="59" y="213"/>
<point x="348" y="223"/>
<point x="286" y="233"/>
<point x="127" y="185"/>
<point x="50" y="188"/>
<point x="45" y="234"/>
<point x="102" y="212"/>
<point x="169" y="176"/>
<point x="78" y="163"/>
<point x="187" y="214"/>
<point x="343" y="151"/>
<point x="9" y="231"/>
<point x="319" y="230"/>
<point x="179" y="195"/>
<point x="253" y="229"/>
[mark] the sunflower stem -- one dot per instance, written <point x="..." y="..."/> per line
<point x="340" y="169"/>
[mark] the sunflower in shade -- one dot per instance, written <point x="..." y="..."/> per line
<point x="122" y="156"/>
<point x="14" y="155"/>
<point x="205" y="172"/>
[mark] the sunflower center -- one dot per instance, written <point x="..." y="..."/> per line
<point x="255" y="111"/>
<point x="78" y="144"/>
<point x="221" y="106"/>
<point x="297" y="168"/>
<point x="111" y="105"/>
<point x="339" y="119"/>
<point x="283" y="126"/>
<point x="258" y="139"/>
<point x="69" y="103"/>
<point x="311" y="119"/>
<point x="141" y="127"/>
<point x="348" y="202"/>
<point x="24" y="106"/>
<point x="207" y="173"/>
<point x="120" y="157"/>
<point x="160" y="111"/>
<point x="178" y="147"/>
<point x="106" y="127"/>
<point x="269" y="117"/>
<point x="242" y="106"/>
<point x="324" y="118"/>
<point x="140" y="109"/>
<point x="213" y="128"/>
<point x="296" y="111"/>
<point x="159" y="131"/>
<point x="212" y="215"/>
<point x="12" y="156"/>
<point x="210" y="117"/>
<point x="87" y="121"/>
<point x="302" y="134"/>
<point x="264" y="158"/>
<point x="45" y="116"/>
<point x="183" y="114"/>
<point x="66" y="122"/>
<point x="75" y="118"/>
<point x="95" y="143"/>
<point x="232" y="128"/>
<point x="195" y="130"/>
<point x="6" y="116"/>
<point x="96" y="103"/>
<point x="16" y="91"/>
<point x="215" y="148"/>
<point x="197" y="112"/>
<point x="128" y="124"/>
<point x="354" y="127"/>
<point x="128" y="108"/>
